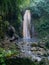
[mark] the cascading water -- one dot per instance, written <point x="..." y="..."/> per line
<point x="25" y="46"/>
<point x="27" y="25"/>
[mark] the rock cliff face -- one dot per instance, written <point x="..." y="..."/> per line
<point x="11" y="33"/>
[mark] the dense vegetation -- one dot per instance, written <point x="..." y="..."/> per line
<point x="41" y="17"/>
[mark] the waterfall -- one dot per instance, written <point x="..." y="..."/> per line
<point x="27" y="25"/>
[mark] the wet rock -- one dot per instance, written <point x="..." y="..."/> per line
<point x="33" y="49"/>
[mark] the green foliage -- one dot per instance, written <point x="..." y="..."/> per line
<point x="42" y="26"/>
<point x="40" y="16"/>
<point x="11" y="11"/>
<point x="20" y="61"/>
<point x="1" y="30"/>
<point x="6" y="54"/>
<point x="47" y="44"/>
<point x="3" y="27"/>
<point x="24" y="4"/>
<point x="2" y="61"/>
